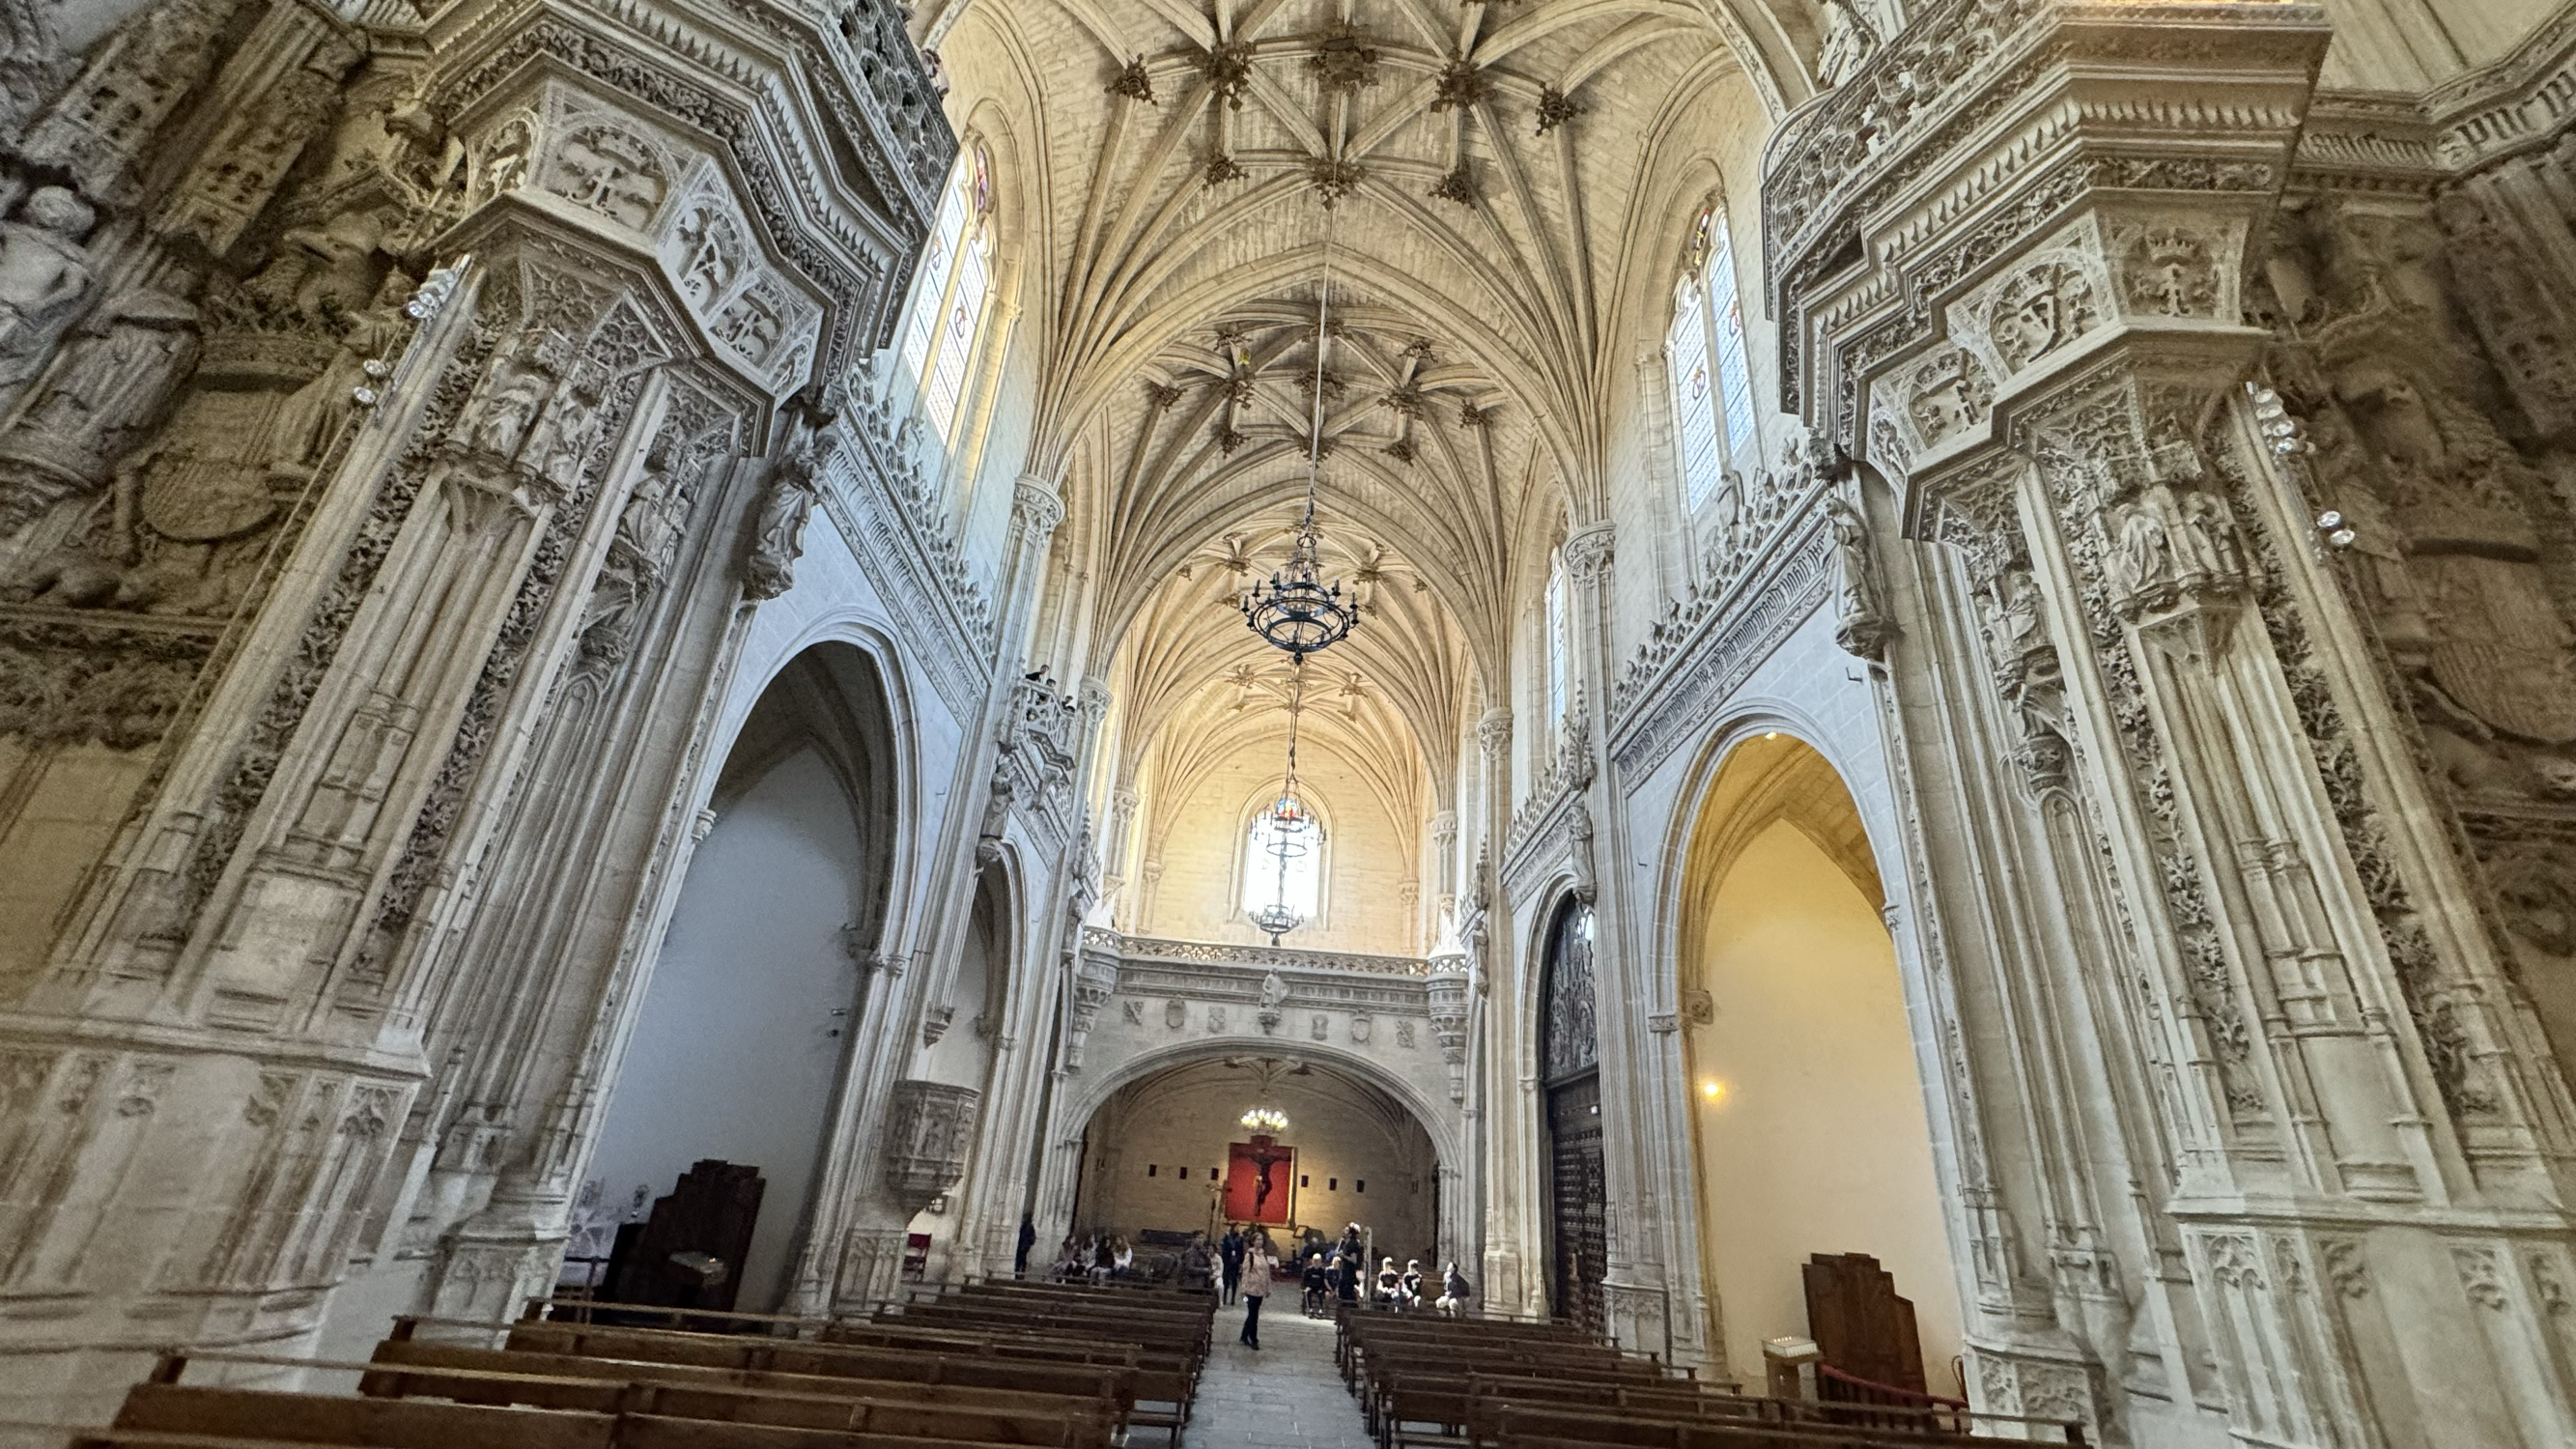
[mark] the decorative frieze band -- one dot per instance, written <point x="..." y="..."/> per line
<point x="1767" y="607"/>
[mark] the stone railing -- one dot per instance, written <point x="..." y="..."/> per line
<point x="1216" y="953"/>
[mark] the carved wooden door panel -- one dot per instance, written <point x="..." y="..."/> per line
<point x="1578" y="1237"/>
<point x="1570" y="1067"/>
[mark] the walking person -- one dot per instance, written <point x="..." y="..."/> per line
<point x="1229" y="1254"/>
<point x="1258" y="1265"/>
<point x="1028" y="1240"/>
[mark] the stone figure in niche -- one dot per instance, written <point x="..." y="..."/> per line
<point x="44" y="278"/>
<point x="108" y="387"/>
<point x="1861" y="624"/>
<point x="2175" y="541"/>
<point x="1216" y="1018"/>
<point x="1273" y="989"/>
<point x="1359" y="1030"/>
<point x="562" y="437"/>
<point x="511" y="398"/>
<point x="1319" y="1027"/>
<point x="778" y="534"/>
<point x="306" y="424"/>
<point x="648" y="532"/>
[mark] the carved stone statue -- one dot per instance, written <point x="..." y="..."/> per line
<point x="1861" y="624"/>
<point x="778" y="535"/>
<point x="44" y="277"/>
<point x="308" y="421"/>
<point x="108" y="388"/>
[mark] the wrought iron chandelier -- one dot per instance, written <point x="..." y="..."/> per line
<point x="1297" y="611"/>
<point x="1291" y="825"/>
<point x="1266" y="1119"/>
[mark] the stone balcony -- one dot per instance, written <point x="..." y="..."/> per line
<point x="1402" y="1015"/>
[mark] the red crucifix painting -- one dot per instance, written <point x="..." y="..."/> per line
<point x="1257" y="1174"/>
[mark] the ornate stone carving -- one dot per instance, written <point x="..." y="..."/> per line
<point x="134" y="82"/>
<point x="45" y="276"/>
<point x="930" y="1128"/>
<point x="778" y="533"/>
<point x="1861" y="622"/>
<point x="1947" y="394"/>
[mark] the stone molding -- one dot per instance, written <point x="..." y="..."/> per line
<point x="1725" y="644"/>
<point x="1214" y="953"/>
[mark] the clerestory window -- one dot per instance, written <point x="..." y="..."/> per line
<point x="1712" y="379"/>
<point x="956" y="285"/>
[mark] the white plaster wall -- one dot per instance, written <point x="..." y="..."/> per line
<point x="736" y="1050"/>
<point x="1366" y="859"/>
<point x="964" y="1053"/>
<point x="1817" y="1142"/>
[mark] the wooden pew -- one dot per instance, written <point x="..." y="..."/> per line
<point x="887" y="1407"/>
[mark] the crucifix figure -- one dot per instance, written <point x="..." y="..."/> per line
<point x="1266" y="1154"/>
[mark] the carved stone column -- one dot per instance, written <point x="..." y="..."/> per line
<point x="2035" y="332"/>
<point x="440" y="550"/>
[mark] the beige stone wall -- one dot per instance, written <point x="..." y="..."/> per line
<point x="1367" y="857"/>
<point x="1181" y="1122"/>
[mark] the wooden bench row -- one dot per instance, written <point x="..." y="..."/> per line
<point x="1008" y="1372"/>
<point x="1431" y="1382"/>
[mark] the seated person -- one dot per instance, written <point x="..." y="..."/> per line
<point x="1318" y="1285"/>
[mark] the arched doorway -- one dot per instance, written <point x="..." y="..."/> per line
<point x="739" y="1043"/>
<point x="1569" y="1054"/>
<point x="1167" y="1155"/>
<point x="1809" y="1120"/>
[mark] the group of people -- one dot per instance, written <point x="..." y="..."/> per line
<point x="1244" y="1263"/>
<point x="1249" y="1262"/>
<point x="1096" y="1259"/>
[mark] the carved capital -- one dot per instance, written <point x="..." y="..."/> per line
<point x="1588" y="551"/>
<point x="1494" y="735"/>
<point x="1036" y="510"/>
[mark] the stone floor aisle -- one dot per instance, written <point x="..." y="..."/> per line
<point x="1287" y="1396"/>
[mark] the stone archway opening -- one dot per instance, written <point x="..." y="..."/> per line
<point x="1168" y="1155"/>
<point x="740" y="1043"/>
<point x="1808" y="1115"/>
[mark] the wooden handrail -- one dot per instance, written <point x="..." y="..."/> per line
<point x="1900" y="1391"/>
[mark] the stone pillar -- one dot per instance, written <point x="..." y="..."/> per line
<point x="2343" y="1138"/>
<point x="391" y="459"/>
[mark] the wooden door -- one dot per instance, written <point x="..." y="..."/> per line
<point x="1570" y="1069"/>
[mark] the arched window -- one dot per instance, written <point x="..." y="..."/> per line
<point x="956" y="284"/>
<point x="1712" y="379"/>
<point x="1294" y="877"/>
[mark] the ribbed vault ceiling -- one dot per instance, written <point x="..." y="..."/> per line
<point x="1466" y="180"/>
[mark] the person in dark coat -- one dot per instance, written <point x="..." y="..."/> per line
<point x="1229" y="1254"/>
<point x="1028" y="1240"/>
